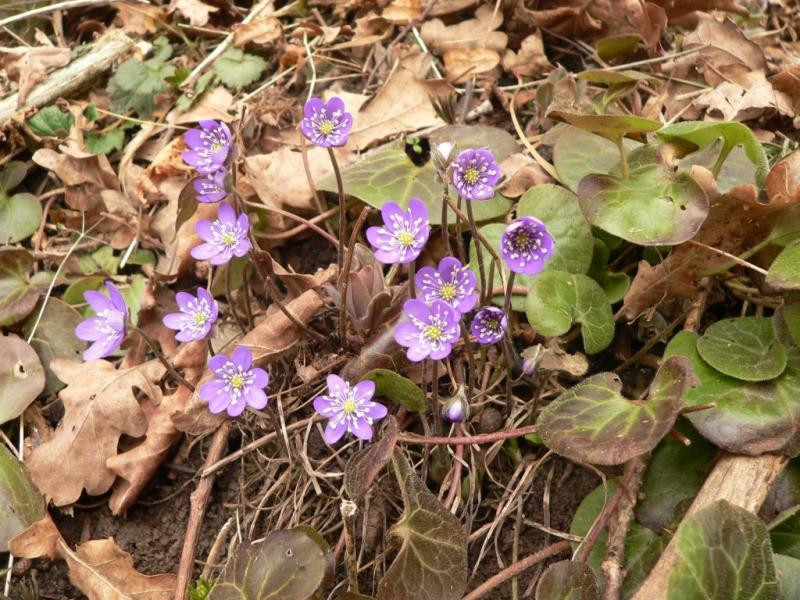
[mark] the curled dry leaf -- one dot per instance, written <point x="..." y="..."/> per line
<point x="522" y="173"/>
<point x="262" y="31"/>
<point x="99" y="568"/>
<point x="196" y="11"/>
<point x="21" y="377"/>
<point x="99" y="407"/>
<point x="273" y="335"/>
<point x="530" y="61"/>
<point x="84" y="175"/>
<point x="365" y="465"/>
<point x="139" y="18"/>
<point x="29" y="66"/>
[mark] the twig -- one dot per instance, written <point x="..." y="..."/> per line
<point x="516" y="569"/>
<point x="163" y="360"/>
<point x="66" y="5"/>
<point x="483" y="438"/>
<point x="349" y="511"/>
<point x="197" y="510"/>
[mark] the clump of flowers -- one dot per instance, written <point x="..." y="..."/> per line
<point x="211" y="188"/>
<point x="451" y="282"/>
<point x="197" y="315"/>
<point x="525" y="245"/>
<point x="326" y="124"/>
<point x="107" y="329"/>
<point x="430" y="331"/>
<point x="209" y="149"/>
<point x="236" y="385"/>
<point x="224" y="238"/>
<point x="404" y="232"/>
<point x="349" y="408"/>
<point x="489" y="325"/>
<point x="474" y="174"/>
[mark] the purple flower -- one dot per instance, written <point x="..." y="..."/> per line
<point x="196" y="316"/>
<point x="403" y="234"/>
<point x="224" y="238"/>
<point x="474" y="174"/>
<point x="237" y="384"/>
<point x="451" y="282"/>
<point x="525" y="245"/>
<point x="489" y="325"/>
<point x="430" y="331"/>
<point x="208" y="146"/>
<point x="456" y="409"/>
<point x="107" y="329"/>
<point x="350" y="408"/>
<point x="326" y="124"/>
<point x="212" y="187"/>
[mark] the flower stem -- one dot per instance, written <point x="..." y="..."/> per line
<point x="412" y="287"/>
<point x="340" y="187"/>
<point x="345" y="279"/>
<point x="163" y="360"/>
<point x="445" y="232"/>
<point x="437" y="415"/>
<point x="349" y="511"/>
<point x="478" y="251"/>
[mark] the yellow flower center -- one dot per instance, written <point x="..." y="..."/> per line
<point x="229" y="239"/>
<point x="405" y="238"/>
<point x="349" y="407"/>
<point x="448" y="291"/>
<point x="433" y="333"/>
<point x="471" y="175"/>
<point x="200" y="318"/>
<point x="237" y="381"/>
<point x="326" y="127"/>
<point x="216" y="146"/>
<point x="522" y="240"/>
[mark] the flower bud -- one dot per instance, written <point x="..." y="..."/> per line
<point x="530" y="359"/>
<point x="443" y="154"/>
<point x="456" y="409"/>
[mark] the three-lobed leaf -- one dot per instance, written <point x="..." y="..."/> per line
<point x="21" y="376"/>
<point x="592" y="422"/>
<point x="51" y="121"/>
<point x="237" y="69"/>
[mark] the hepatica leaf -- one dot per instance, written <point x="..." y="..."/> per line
<point x="592" y="422"/>
<point x="743" y="347"/>
<point x="748" y="417"/>
<point x="21" y="376"/>
<point x="578" y="153"/>
<point x="786" y="322"/>
<point x="612" y="127"/>
<point x="557" y="299"/>
<point x="653" y="207"/>
<point x="432" y="562"/>
<point x="784" y="272"/>
<point x="237" y="69"/>
<point x="788" y="570"/>
<point x="20" y="502"/>
<point x="568" y="580"/>
<point x="397" y="388"/>
<point x="19" y="213"/>
<point x="288" y="565"/>
<point x="723" y="552"/>
<point x="389" y="174"/>
<point x="19" y="290"/>
<point x="365" y="465"/>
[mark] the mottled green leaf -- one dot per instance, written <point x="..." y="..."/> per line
<point x="104" y="143"/>
<point x="55" y="337"/>
<point x="652" y="207"/>
<point x="743" y="347"/>
<point x="748" y="417"/>
<point x="19" y="290"/>
<point x="723" y="552"/>
<point x="788" y="570"/>
<point x="432" y="562"/>
<point x="568" y="580"/>
<point x="578" y="153"/>
<point x="237" y="69"/>
<point x="51" y="121"/>
<point x="701" y="134"/>
<point x="786" y="536"/>
<point x="612" y="127"/>
<point x="592" y="422"/>
<point x="365" y="464"/>
<point x="673" y="477"/>
<point x="499" y="141"/>
<point x="615" y="285"/>
<point x="389" y="174"/>
<point x="20" y="502"/>
<point x="784" y="272"/>
<point x="19" y="213"/>
<point x="557" y="299"/>
<point x="288" y="565"/>
<point x="136" y="85"/>
<point x="73" y="295"/>
<point x="21" y="376"/>
<point x="393" y="386"/>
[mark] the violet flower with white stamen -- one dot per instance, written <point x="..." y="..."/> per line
<point x="224" y="238"/>
<point x="349" y="408"/>
<point x="208" y="146"/>
<point x="212" y="187"/>
<point x="237" y="384"/>
<point x="107" y="329"/>
<point x="474" y="174"/>
<point x="452" y="282"/>
<point x="489" y="325"/>
<point x="196" y="316"/>
<point x="404" y="232"/>
<point x="430" y="331"/>
<point x="326" y="124"/>
<point x="525" y="245"/>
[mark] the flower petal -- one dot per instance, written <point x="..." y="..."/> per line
<point x="256" y="398"/>
<point x="364" y="390"/>
<point x="242" y="357"/>
<point x="361" y="429"/>
<point x="377" y="411"/>
<point x="334" y="431"/>
<point x="90" y="329"/>
<point x="336" y="385"/>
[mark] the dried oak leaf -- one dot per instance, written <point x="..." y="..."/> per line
<point x="139" y="18"/>
<point x="99" y="407"/>
<point x="29" y="66"/>
<point x="197" y="12"/>
<point x="263" y="31"/>
<point x="530" y="61"/>
<point x="136" y="466"/>
<point x="99" y="568"/>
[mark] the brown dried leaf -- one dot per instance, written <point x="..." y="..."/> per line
<point x="471" y="33"/>
<point x="196" y="11"/>
<point x="29" y="66"/>
<point x="214" y="104"/>
<point x="139" y="18"/>
<point x="99" y="407"/>
<point x="530" y="61"/>
<point x="782" y="184"/>
<point x="461" y="65"/>
<point x="402" y="11"/>
<point x="365" y="465"/>
<point x="263" y="31"/>
<point x="74" y="169"/>
<point x="522" y="173"/>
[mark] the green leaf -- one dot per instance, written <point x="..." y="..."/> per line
<point x="609" y="48"/>
<point x="673" y="477"/>
<point x="748" y="417"/>
<point x="365" y="464"/>
<point x="237" y="69"/>
<point x="611" y="127"/>
<point x="786" y="322"/>
<point x="288" y="565"/>
<point x="389" y="174"/>
<point x="653" y="207"/>
<point x="788" y="570"/>
<point x="393" y="386"/>
<point x="19" y="213"/>
<point x="786" y="536"/>
<point x="743" y="347"/>
<point x="21" y="504"/>
<point x="73" y="295"/>
<point x="784" y="273"/>
<point x="499" y="141"/>
<point x="592" y="422"/>
<point x="432" y="562"/>
<point x="19" y="291"/>
<point x="558" y="208"/>
<point x="556" y="300"/>
<point x="134" y="295"/>
<point x="568" y="580"/>
<point x="723" y="552"/>
<point x="21" y="377"/>
<point x="55" y="337"/>
<point x="50" y="121"/>
<point x="701" y="134"/>
<point x="136" y="84"/>
<point x="578" y="153"/>
<point x="106" y="142"/>
<point x="615" y="285"/>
